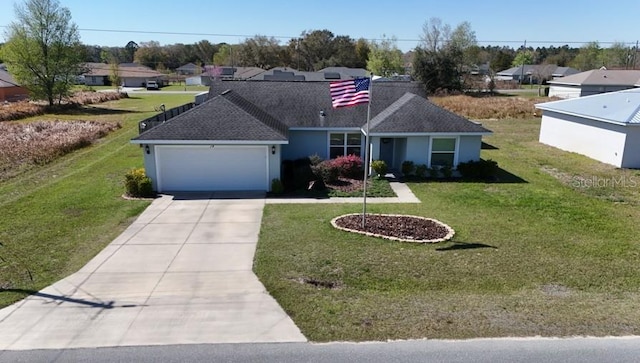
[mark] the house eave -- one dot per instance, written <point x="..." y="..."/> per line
<point x="209" y="142"/>
<point x="594" y="118"/>
<point x="407" y="134"/>
<point x="324" y="128"/>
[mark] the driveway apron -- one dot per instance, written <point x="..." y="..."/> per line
<point x="180" y="274"/>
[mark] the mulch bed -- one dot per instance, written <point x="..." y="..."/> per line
<point x="396" y="227"/>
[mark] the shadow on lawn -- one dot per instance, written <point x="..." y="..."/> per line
<point x="464" y="246"/>
<point x="97" y="111"/>
<point x="486" y="146"/>
<point x="501" y="176"/>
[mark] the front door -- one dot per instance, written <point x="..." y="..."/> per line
<point x="386" y="151"/>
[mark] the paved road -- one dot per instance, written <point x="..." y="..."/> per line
<point x="477" y="351"/>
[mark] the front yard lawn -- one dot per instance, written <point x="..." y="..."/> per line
<point x="57" y="216"/>
<point x="554" y="253"/>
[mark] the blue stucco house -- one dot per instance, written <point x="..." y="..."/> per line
<point x="239" y="138"/>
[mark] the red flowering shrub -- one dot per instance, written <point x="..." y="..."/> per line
<point x="349" y="166"/>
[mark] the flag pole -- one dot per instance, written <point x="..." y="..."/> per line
<point x="366" y="156"/>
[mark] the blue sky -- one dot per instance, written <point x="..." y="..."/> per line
<point x="496" y="22"/>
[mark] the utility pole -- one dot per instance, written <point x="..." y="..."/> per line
<point x="524" y="49"/>
<point x="635" y="52"/>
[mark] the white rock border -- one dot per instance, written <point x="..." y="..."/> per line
<point x="449" y="235"/>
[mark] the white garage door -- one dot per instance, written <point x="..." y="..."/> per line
<point x="207" y="168"/>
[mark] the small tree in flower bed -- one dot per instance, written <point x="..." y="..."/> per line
<point x="327" y="171"/>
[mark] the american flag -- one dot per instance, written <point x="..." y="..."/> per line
<point x="349" y="93"/>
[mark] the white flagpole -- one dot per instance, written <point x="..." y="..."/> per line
<point x="366" y="157"/>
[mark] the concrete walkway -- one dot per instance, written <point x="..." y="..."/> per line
<point x="180" y="274"/>
<point x="403" y="195"/>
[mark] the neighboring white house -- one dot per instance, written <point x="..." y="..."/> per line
<point x="605" y="127"/>
<point x="593" y="82"/>
<point x="532" y="73"/>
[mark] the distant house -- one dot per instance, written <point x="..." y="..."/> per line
<point x="290" y="74"/>
<point x="10" y="90"/>
<point x="605" y="127"/>
<point x="189" y="69"/>
<point x="594" y="82"/>
<point x="346" y="71"/>
<point x="241" y="137"/>
<point x="131" y="75"/>
<point x="224" y="72"/>
<point x="533" y="73"/>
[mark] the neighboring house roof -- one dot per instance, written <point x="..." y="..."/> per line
<point x="351" y="72"/>
<point x="538" y="69"/>
<point x="226" y="117"/>
<point x="125" y="70"/>
<point x="189" y="67"/>
<point x="621" y="107"/>
<point x="7" y="80"/>
<point x="564" y="72"/>
<point x="601" y="77"/>
<point x="414" y="114"/>
<point x="290" y="74"/>
<point x="231" y="72"/>
<point x="516" y="70"/>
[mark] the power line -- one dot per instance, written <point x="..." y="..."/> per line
<point x="222" y="35"/>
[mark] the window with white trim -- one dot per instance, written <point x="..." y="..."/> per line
<point x="344" y="143"/>
<point x="443" y="152"/>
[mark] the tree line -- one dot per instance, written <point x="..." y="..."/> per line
<point x="44" y="52"/>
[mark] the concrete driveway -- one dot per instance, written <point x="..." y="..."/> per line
<point x="180" y="274"/>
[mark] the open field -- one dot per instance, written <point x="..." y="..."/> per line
<point x="58" y="216"/>
<point x="551" y="249"/>
<point x="482" y="107"/>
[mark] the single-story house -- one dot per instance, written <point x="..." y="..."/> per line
<point x="533" y="73"/>
<point x="593" y="82"/>
<point x="225" y="73"/>
<point x="131" y="75"/>
<point x="189" y="69"/>
<point x="605" y="127"/>
<point x="239" y="138"/>
<point x="10" y="91"/>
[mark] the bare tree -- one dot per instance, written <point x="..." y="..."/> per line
<point x="435" y="34"/>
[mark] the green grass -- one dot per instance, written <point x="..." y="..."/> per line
<point x="539" y="254"/>
<point x="57" y="217"/>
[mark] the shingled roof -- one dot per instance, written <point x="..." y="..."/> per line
<point x="414" y="114"/>
<point x="299" y="104"/>
<point x="226" y="117"/>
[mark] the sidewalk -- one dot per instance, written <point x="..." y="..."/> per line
<point x="403" y="195"/>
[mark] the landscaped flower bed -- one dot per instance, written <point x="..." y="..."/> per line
<point x="394" y="227"/>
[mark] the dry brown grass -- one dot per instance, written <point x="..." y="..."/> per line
<point x="24" y="109"/>
<point x="36" y="143"/>
<point x="490" y="107"/>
